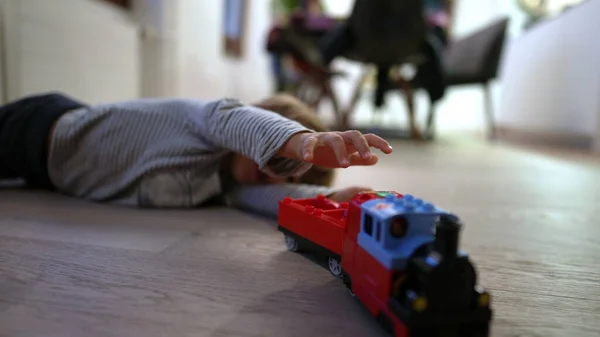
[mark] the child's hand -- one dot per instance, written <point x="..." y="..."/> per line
<point x="335" y="149"/>
<point x="346" y="194"/>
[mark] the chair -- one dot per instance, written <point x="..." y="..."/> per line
<point x="385" y="33"/>
<point x="473" y="59"/>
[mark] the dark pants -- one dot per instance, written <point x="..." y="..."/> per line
<point x="25" y="127"/>
<point x="336" y="42"/>
<point x="339" y="41"/>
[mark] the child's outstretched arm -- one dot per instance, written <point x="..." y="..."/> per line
<point x="252" y="132"/>
<point x="280" y="146"/>
<point x="264" y="199"/>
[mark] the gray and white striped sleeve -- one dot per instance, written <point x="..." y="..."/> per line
<point x="264" y="199"/>
<point x="253" y="132"/>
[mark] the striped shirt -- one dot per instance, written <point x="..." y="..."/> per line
<point x="167" y="153"/>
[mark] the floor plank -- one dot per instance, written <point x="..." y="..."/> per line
<point x="71" y="268"/>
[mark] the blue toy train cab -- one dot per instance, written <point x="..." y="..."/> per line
<point x="393" y="227"/>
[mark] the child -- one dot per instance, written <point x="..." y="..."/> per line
<point x="173" y="152"/>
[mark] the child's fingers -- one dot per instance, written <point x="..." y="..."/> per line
<point x="359" y="141"/>
<point x="308" y="148"/>
<point x="338" y="145"/>
<point x="379" y="143"/>
<point x="357" y="160"/>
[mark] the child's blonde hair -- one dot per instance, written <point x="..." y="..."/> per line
<point x="291" y="107"/>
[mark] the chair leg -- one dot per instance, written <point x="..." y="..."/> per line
<point x="429" y="131"/>
<point x="349" y="110"/>
<point x="329" y="93"/>
<point x="310" y="92"/>
<point x="489" y="110"/>
<point x="410" y="104"/>
<point x="298" y="91"/>
<point x="315" y="95"/>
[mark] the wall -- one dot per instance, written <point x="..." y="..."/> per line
<point x="472" y="14"/>
<point x="85" y="48"/>
<point x="202" y="71"/>
<point x="250" y="78"/>
<point x="558" y="90"/>
<point x="185" y="50"/>
<point x="158" y="43"/>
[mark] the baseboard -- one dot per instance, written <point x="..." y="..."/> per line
<point x="545" y="138"/>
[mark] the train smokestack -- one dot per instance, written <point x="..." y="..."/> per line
<point x="446" y="237"/>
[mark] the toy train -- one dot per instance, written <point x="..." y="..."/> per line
<point x="399" y="256"/>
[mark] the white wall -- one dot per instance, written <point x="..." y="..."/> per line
<point x="83" y="47"/>
<point x="472" y="14"/>
<point x="157" y="21"/>
<point x="202" y="71"/>
<point x="250" y="78"/>
<point x="551" y="75"/>
<point x="186" y="51"/>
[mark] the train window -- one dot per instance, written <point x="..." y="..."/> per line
<point x="368" y="224"/>
<point x="378" y="231"/>
<point x="399" y="227"/>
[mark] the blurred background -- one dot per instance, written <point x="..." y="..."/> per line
<point x="501" y="69"/>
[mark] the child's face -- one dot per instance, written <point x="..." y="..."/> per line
<point x="245" y="171"/>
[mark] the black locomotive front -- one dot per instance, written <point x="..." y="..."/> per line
<point x="439" y="295"/>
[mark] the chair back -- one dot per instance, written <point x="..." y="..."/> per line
<point x="387" y="31"/>
<point x="475" y="58"/>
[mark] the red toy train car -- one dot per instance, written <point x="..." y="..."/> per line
<point x="399" y="256"/>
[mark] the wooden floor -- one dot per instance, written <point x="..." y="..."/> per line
<point x="69" y="268"/>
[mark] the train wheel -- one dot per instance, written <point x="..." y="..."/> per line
<point x="335" y="267"/>
<point x="291" y="244"/>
